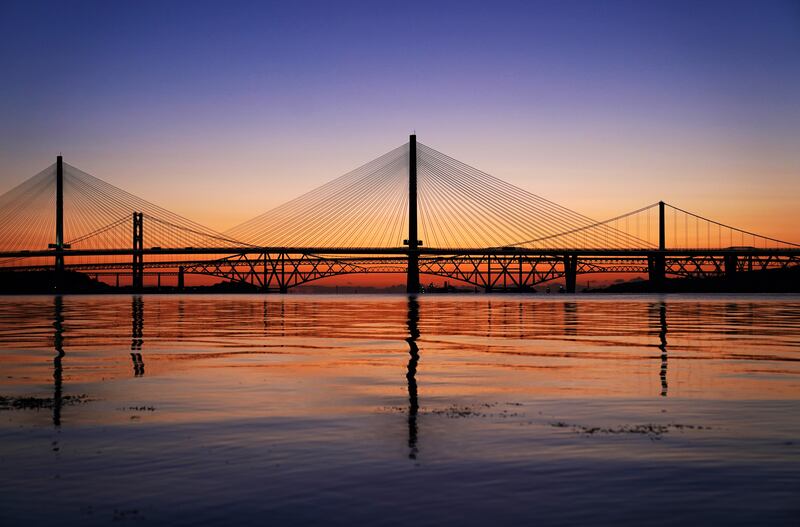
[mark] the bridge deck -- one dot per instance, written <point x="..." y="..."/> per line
<point x="383" y="251"/>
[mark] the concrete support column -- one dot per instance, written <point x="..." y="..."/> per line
<point x="488" y="288"/>
<point x="656" y="271"/>
<point x="283" y="287"/>
<point x="570" y="271"/>
<point x="731" y="263"/>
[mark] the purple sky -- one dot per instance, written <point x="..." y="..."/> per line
<point x="219" y="111"/>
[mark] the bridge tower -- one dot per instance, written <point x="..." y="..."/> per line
<point x="59" y="246"/>
<point x="413" y="241"/>
<point x="59" y="213"/>
<point x="137" y="269"/>
<point x="656" y="262"/>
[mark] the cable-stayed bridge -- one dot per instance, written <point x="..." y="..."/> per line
<point x="413" y="210"/>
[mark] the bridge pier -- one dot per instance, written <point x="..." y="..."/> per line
<point x="283" y="287"/>
<point x="731" y="263"/>
<point x="570" y="271"/>
<point x="488" y="288"/>
<point x="656" y="271"/>
<point x="181" y="272"/>
<point x="265" y="273"/>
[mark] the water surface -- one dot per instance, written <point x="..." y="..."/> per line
<point x="384" y="410"/>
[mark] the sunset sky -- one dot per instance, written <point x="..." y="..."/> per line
<point x="220" y="111"/>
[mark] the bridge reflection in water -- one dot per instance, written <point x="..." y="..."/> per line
<point x="137" y="334"/>
<point x="58" y="367"/>
<point x="310" y="407"/>
<point x="262" y="401"/>
<point x="411" y="374"/>
<point x="662" y="337"/>
<point x="274" y="325"/>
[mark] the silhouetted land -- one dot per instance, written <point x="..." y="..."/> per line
<point x="771" y="281"/>
<point x="44" y="282"/>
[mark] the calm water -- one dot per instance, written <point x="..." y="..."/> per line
<point x="462" y="410"/>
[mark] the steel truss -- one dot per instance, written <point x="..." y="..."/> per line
<point x="519" y="272"/>
<point x="279" y="272"/>
<point x="276" y="271"/>
<point x="716" y="266"/>
<point x="491" y="271"/>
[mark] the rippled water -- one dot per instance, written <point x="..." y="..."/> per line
<point x="464" y="410"/>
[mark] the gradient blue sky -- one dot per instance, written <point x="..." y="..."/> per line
<point x="222" y="110"/>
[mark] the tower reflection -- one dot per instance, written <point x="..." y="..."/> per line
<point x="58" y="345"/>
<point x="411" y="374"/>
<point x="662" y="337"/>
<point x="570" y="318"/>
<point x="137" y="330"/>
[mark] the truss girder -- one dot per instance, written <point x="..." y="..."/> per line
<point x="714" y="266"/>
<point x="491" y="271"/>
<point x="520" y="272"/>
<point x="275" y="272"/>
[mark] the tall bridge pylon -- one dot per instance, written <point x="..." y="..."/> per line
<point x="413" y="241"/>
<point x="59" y="244"/>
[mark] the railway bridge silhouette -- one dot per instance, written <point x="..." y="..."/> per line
<point x="413" y="210"/>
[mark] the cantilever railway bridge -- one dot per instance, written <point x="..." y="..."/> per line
<point x="413" y="210"/>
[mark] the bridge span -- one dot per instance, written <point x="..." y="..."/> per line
<point x="479" y="231"/>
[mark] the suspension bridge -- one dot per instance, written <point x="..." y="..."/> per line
<point x="412" y="211"/>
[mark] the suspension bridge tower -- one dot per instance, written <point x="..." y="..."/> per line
<point x="413" y="241"/>
<point x="59" y="246"/>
